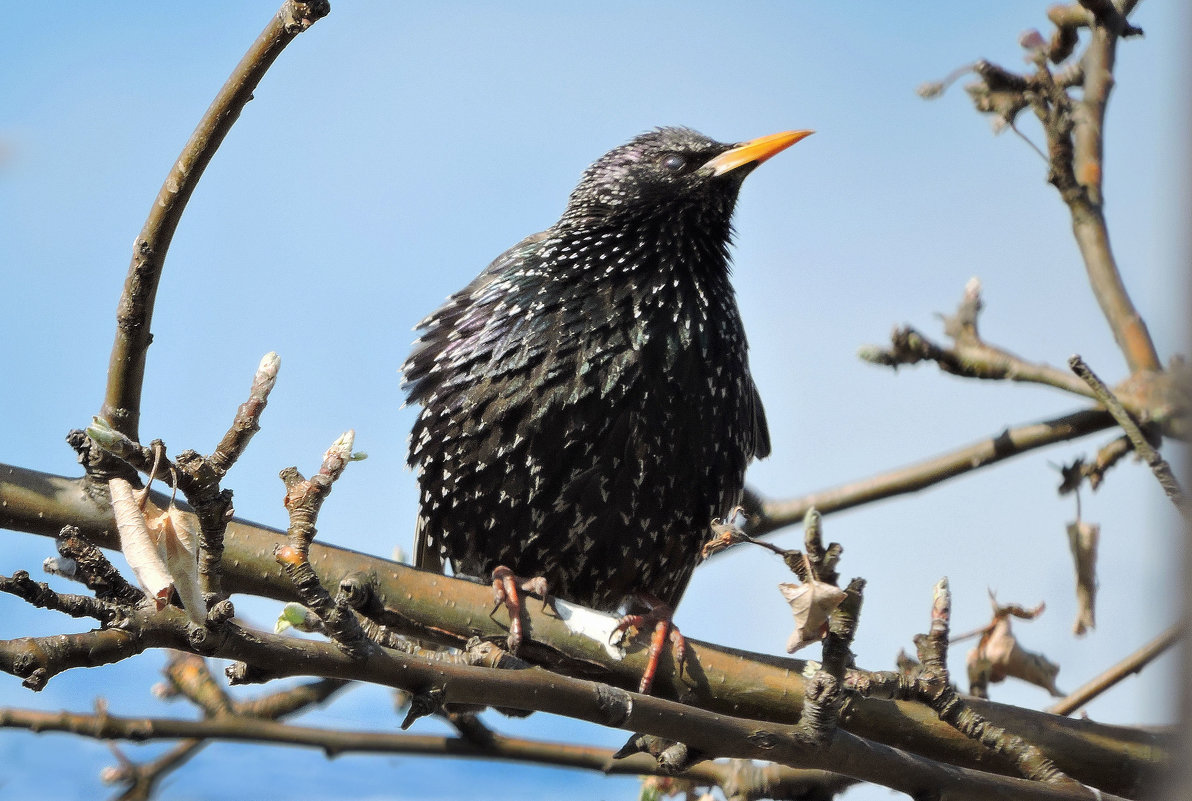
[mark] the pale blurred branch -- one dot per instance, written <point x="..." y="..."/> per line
<point x="1132" y="664"/>
<point x="1074" y="125"/>
<point x="337" y="742"/>
<point x="1142" y="447"/>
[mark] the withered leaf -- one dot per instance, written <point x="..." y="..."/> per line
<point x="811" y="603"/>
<point x="1082" y="539"/>
<point x="998" y="655"/>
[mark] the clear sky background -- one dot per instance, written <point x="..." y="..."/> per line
<point x="394" y="149"/>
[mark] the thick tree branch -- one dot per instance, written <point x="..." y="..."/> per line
<point x="126" y="370"/>
<point x="1115" y="759"/>
<point x="533" y="689"/>
<point x="933" y="686"/>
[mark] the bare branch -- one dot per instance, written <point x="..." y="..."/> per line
<point x="969" y="356"/>
<point x="1074" y="129"/>
<point x="1132" y="664"/>
<point x="438" y="608"/>
<point x="1142" y="446"/>
<point x="334" y="742"/>
<point x="1075" y="142"/>
<point x="537" y="690"/>
<point x="126" y="370"/>
<point x="772" y="515"/>
<point x="932" y="685"/>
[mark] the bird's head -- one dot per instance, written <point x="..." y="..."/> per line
<point x="668" y="169"/>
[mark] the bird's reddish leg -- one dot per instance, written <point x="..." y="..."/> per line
<point x="660" y="615"/>
<point x="506" y="588"/>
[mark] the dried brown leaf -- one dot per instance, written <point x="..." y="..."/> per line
<point x="138" y="543"/>
<point x="160" y="546"/>
<point x="998" y="655"/>
<point x="811" y="603"/>
<point x="1082" y="539"/>
<point x="178" y="546"/>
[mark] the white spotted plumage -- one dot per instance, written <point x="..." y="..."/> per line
<point x="603" y="365"/>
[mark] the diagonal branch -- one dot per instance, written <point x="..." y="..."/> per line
<point x="126" y="370"/>
<point x="1142" y="447"/>
<point x="1074" y="127"/>
<point x="1132" y="664"/>
<point x="772" y="515"/>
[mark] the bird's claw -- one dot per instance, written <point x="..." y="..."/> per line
<point x="659" y="615"/>
<point x="507" y="588"/>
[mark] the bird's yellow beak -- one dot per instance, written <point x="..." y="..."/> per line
<point x="755" y="151"/>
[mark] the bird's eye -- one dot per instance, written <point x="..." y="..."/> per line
<point x="674" y="162"/>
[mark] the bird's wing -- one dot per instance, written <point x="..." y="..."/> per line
<point x="461" y="317"/>
<point x="456" y="320"/>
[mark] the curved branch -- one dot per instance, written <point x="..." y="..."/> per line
<point x="126" y="369"/>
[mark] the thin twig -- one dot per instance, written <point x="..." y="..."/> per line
<point x="1133" y="663"/>
<point x="970" y="358"/>
<point x="126" y="369"/>
<point x="772" y="515"/>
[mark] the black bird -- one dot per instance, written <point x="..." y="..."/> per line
<point x="587" y="402"/>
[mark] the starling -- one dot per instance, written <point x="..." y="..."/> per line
<point x="587" y="402"/>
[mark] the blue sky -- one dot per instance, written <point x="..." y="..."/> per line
<point x="395" y="149"/>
